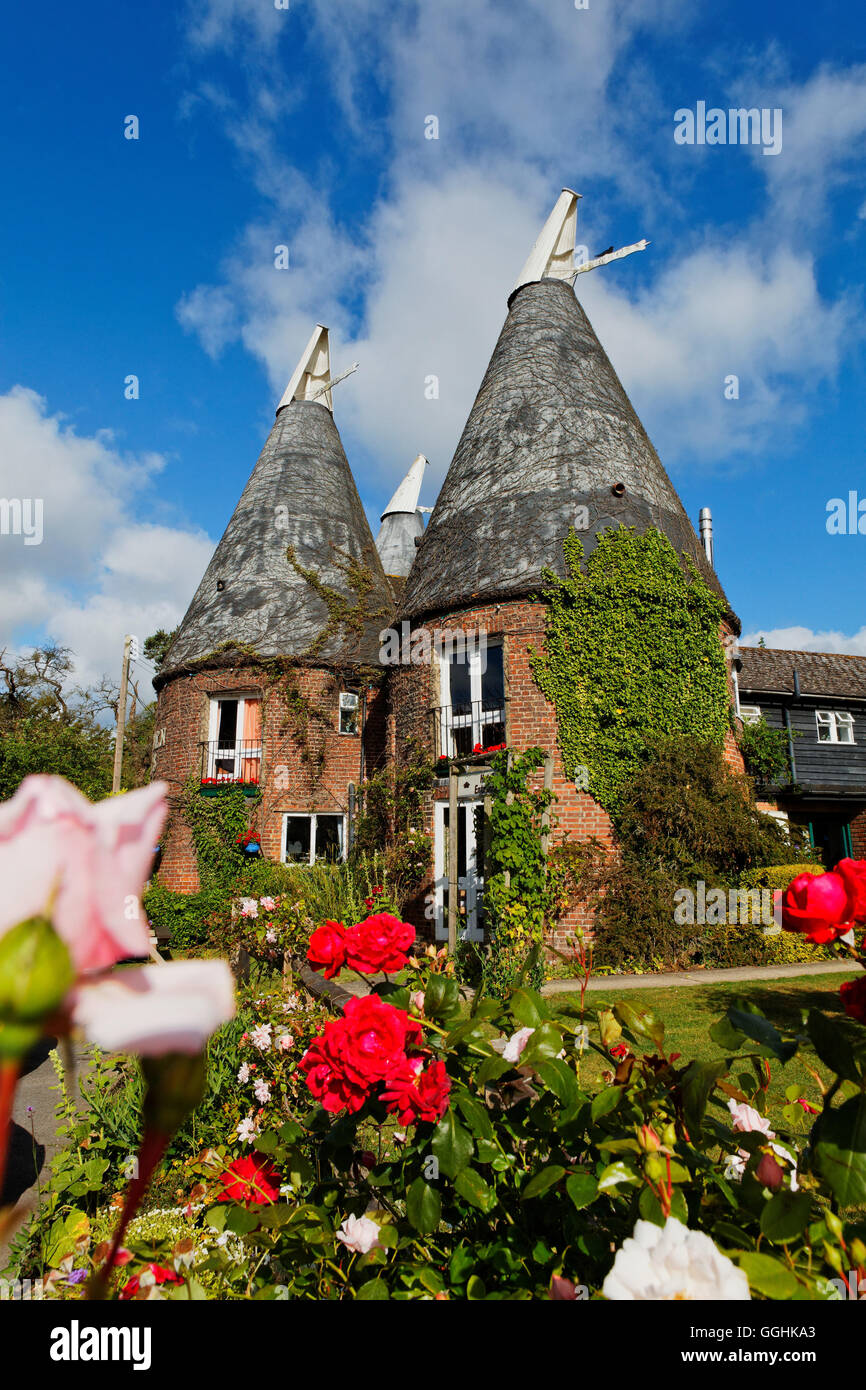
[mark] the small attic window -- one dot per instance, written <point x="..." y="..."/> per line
<point x="348" y="712"/>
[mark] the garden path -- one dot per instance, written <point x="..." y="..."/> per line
<point x="33" y="1142"/>
<point x="703" y="977"/>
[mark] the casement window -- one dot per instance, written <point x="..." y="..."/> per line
<point x="472" y="712"/>
<point x="834" y="726"/>
<point x="348" y="712"/>
<point x="233" y="752"/>
<point x="313" y="839"/>
<point x="750" y="714"/>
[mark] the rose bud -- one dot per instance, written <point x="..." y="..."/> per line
<point x="770" y="1173"/>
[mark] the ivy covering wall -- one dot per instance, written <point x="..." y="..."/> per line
<point x="632" y="651"/>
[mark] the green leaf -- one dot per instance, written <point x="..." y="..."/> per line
<point x="423" y="1206"/>
<point x="839" y="1137"/>
<point x="266" y="1142"/>
<point x="475" y="1114"/>
<point x="582" y="1188"/>
<point x="528" y="1008"/>
<point x="641" y="1021"/>
<point x="542" y="1181"/>
<point x="840" y="1043"/>
<point x="374" y="1289"/>
<point x="475" y="1288"/>
<point x="650" y="1207"/>
<point x="760" y="1030"/>
<point x="546" y="1042"/>
<point x="726" y="1036"/>
<point x="559" y="1078"/>
<point x="696" y="1087"/>
<point x="768" y="1276"/>
<point x="241" y="1221"/>
<point x="609" y="1029"/>
<point x="786" y="1216"/>
<point x="451" y="1144"/>
<point x="605" y="1101"/>
<point x="617" y="1175"/>
<point x="470" y="1185"/>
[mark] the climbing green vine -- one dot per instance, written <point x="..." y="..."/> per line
<point x="519" y="895"/>
<point x="632" y="650"/>
<point x="215" y="823"/>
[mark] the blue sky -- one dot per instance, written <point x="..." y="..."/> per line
<point x="305" y="127"/>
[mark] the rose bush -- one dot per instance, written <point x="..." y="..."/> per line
<point x="432" y="1146"/>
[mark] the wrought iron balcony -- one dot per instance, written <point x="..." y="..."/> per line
<point x="237" y="761"/>
<point x="461" y="731"/>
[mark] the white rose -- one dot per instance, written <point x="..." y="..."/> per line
<point x="663" y="1263"/>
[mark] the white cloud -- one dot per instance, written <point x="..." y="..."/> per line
<point x="528" y="97"/>
<point x="99" y="571"/>
<point x="725" y="309"/>
<point x="803" y="639"/>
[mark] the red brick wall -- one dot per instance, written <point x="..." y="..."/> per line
<point x="858" y="835"/>
<point x="289" y="779"/>
<point x="414" y="691"/>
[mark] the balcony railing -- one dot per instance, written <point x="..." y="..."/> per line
<point x="239" y="760"/>
<point x="459" y="731"/>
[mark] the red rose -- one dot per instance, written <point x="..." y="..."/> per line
<point x="853" y="996"/>
<point x="374" y="1038"/>
<point x="819" y="906"/>
<point x="327" y="948"/>
<point x="161" y="1275"/>
<point x="358" y="1051"/>
<point x="853" y="871"/>
<point x="619" y="1050"/>
<point x="379" y="943"/>
<point x="325" y="1076"/>
<point x="415" y="1094"/>
<point x="252" y="1180"/>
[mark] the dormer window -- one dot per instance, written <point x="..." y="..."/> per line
<point x="348" y="712"/>
<point x="834" y="726"/>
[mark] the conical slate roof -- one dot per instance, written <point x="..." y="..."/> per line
<point x="402" y="524"/>
<point x="301" y="494"/>
<point x="551" y="430"/>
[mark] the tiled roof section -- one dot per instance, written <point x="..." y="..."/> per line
<point x="551" y="430"/>
<point x="301" y="493"/>
<point x="766" y="669"/>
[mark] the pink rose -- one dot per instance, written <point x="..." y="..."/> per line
<point x="155" y="1009"/>
<point x="94" y="859"/>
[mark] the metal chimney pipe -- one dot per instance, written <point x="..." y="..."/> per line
<point x="705" y="523"/>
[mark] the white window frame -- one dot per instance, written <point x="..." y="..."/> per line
<point x="312" y="816"/>
<point x="750" y="714"/>
<point x="834" y="720"/>
<point x="213" y="756"/>
<point x="477" y="718"/>
<point x="350" y="701"/>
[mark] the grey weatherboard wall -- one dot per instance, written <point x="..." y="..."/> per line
<point x="264" y="603"/>
<point x="551" y="429"/>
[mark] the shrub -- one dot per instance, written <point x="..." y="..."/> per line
<point x="186" y="918"/>
<point x="765" y="752"/>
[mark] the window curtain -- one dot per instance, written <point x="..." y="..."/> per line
<point x="251" y="762"/>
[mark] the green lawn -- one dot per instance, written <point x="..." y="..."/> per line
<point x="689" y="1011"/>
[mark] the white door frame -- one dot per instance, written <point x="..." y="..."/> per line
<point x="471" y="931"/>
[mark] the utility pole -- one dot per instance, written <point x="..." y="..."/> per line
<point x="130" y="649"/>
